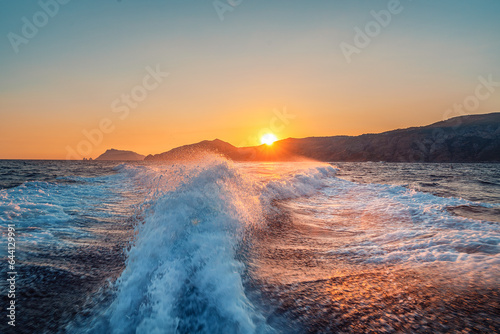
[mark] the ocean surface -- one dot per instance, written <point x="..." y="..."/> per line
<point x="212" y="246"/>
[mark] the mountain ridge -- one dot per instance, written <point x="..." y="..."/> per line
<point x="120" y="155"/>
<point x="469" y="138"/>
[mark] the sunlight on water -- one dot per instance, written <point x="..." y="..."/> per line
<point x="211" y="246"/>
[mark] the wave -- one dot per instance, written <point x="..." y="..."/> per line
<point x="184" y="271"/>
<point x="395" y="225"/>
<point x="429" y="184"/>
<point x="478" y="212"/>
<point x="53" y="213"/>
<point x="489" y="183"/>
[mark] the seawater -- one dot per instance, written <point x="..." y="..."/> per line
<point x="212" y="246"/>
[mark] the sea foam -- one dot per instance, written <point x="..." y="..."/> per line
<point x="183" y="273"/>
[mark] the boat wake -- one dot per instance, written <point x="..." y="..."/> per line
<point x="185" y="268"/>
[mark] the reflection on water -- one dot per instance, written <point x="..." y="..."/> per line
<point x="254" y="247"/>
<point x="315" y="287"/>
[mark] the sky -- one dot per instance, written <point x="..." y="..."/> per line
<point x="79" y="77"/>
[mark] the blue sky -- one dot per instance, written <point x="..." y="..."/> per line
<point x="226" y="77"/>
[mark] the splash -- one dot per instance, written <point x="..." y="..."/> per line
<point x="184" y="272"/>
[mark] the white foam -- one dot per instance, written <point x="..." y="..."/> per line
<point x="182" y="272"/>
<point x="395" y="225"/>
<point x="41" y="210"/>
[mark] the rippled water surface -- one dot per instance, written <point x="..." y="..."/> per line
<point x="218" y="247"/>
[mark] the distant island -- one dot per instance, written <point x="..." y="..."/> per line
<point x="472" y="138"/>
<point x="120" y="155"/>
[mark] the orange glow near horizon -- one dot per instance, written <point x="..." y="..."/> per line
<point x="148" y="81"/>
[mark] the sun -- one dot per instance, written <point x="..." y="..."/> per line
<point x="268" y="139"/>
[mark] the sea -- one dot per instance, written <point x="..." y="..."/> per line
<point x="214" y="246"/>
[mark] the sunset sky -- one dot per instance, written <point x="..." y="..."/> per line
<point x="234" y="78"/>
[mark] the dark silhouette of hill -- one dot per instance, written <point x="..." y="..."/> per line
<point x="217" y="146"/>
<point x="471" y="138"/>
<point x="120" y="155"/>
<point x="461" y="139"/>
